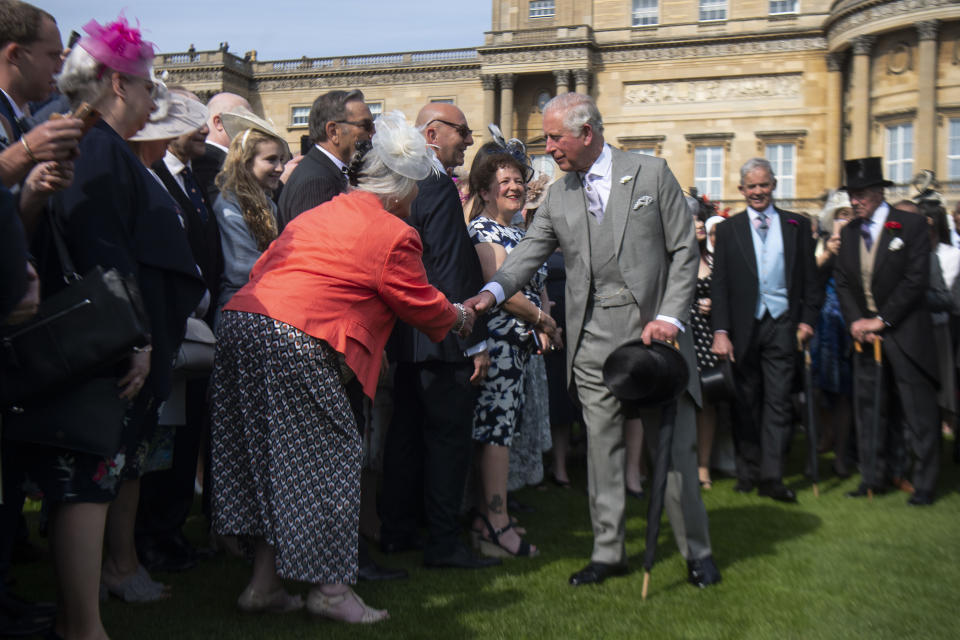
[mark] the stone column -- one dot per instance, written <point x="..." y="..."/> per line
<point x="489" y="83"/>
<point x="506" y="103"/>
<point x="860" y="97"/>
<point x="925" y="138"/>
<point x="563" y="80"/>
<point x="834" y="151"/>
<point x="582" y="78"/>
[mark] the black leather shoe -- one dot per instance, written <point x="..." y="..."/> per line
<point x="167" y="554"/>
<point x="862" y="491"/>
<point x="637" y="495"/>
<point x="743" y="486"/>
<point x="921" y="499"/>
<point x="777" y="491"/>
<point x="373" y="572"/>
<point x="597" y="572"/>
<point x="703" y="572"/>
<point x="461" y="558"/>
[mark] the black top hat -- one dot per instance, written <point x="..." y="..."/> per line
<point x="646" y="376"/>
<point x="864" y="172"/>
<point x="716" y="383"/>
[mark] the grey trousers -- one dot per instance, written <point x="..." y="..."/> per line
<point x="604" y="417"/>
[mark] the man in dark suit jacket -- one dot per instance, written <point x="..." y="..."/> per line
<point x="166" y="496"/>
<point x="207" y="166"/>
<point x="430" y="437"/>
<point x="337" y="120"/>
<point x="882" y="275"/>
<point x="765" y="301"/>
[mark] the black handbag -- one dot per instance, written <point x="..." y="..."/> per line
<point x="93" y="323"/>
<point x="87" y="417"/>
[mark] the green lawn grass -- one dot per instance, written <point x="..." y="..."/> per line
<point x="828" y="567"/>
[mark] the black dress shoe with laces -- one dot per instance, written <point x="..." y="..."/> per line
<point x="921" y="499"/>
<point x="597" y="572"/>
<point x="703" y="572"/>
<point x="461" y="558"/>
<point x="373" y="572"/>
<point x="777" y="491"/>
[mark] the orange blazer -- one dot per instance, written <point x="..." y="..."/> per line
<point x="343" y="272"/>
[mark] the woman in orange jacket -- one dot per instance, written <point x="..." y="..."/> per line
<point x="318" y="310"/>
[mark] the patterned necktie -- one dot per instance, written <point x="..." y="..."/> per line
<point x="865" y="232"/>
<point x="193" y="191"/>
<point x="594" y="203"/>
<point x="761" y="223"/>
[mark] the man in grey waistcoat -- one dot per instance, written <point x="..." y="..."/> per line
<point x="631" y="257"/>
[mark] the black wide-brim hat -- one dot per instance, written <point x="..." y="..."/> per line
<point x="716" y="383"/>
<point x="861" y="173"/>
<point x="646" y="376"/>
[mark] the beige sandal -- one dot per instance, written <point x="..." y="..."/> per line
<point x="320" y="604"/>
<point x="279" y="601"/>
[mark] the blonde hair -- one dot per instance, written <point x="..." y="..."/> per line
<point x="236" y="179"/>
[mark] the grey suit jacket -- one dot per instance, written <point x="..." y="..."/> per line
<point x="655" y="242"/>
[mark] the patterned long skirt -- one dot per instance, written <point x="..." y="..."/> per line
<point x="286" y="453"/>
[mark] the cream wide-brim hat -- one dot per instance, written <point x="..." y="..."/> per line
<point x="176" y="115"/>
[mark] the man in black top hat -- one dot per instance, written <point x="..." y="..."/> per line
<point x="882" y="275"/>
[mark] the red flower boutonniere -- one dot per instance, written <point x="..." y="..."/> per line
<point x="893" y="225"/>
<point x="793" y="222"/>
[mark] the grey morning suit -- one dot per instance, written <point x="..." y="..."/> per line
<point x="638" y="262"/>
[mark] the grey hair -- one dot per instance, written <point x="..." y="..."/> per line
<point x="756" y="163"/>
<point x="578" y="109"/>
<point x="329" y="107"/>
<point x="377" y="178"/>
<point x="83" y="78"/>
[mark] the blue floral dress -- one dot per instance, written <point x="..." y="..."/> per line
<point x="499" y="408"/>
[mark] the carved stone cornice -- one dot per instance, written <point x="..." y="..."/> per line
<point x="368" y="78"/>
<point x="863" y="44"/>
<point x="182" y="76"/>
<point x="708" y="140"/>
<point x="927" y="29"/>
<point x="488" y="82"/>
<point x="854" y="15"/>
<point x="506" y="80"/>
<point x="713" y="90"/>
<point x="732" y="47"/>
<point x="528" y="55"/>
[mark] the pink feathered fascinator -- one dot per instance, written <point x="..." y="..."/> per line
<point x="119" y="47"/>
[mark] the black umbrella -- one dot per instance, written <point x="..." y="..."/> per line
<point x="658" y="489"/>
<point x="870" y="463"/>
<point x="811" y="420"/>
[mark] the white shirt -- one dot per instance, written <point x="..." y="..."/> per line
<point x="17" y="111"/>
<point x="599" y="176"/>
<point x="176" y="167"/>
<point x="879" y="218"/>
<point x="337" y="161"/>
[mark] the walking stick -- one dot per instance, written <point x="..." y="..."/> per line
<point x="877" y="399"/>
<point x="658" y="490"/>
<point x="811" y="418"/>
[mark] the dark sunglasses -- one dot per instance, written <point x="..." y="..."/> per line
<point x="366" y="125"/>
<point x="463" y="130"/>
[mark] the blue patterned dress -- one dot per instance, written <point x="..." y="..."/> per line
<point x="500" y="405"/>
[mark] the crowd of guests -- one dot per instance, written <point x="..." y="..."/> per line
<point x="356" y="271"/>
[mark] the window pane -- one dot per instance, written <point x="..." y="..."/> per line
<point x="645" y="13"/>
<point x="953" y="150"/>
<point x="544" y="164"/>
<point x="300" y="117"/>
<point x="541" y="8"/>
<point x="645" y="151"/>
<point x="708" y="171"/>
<point x="899" y="165"/>
<point x="713" y="9"/>
<point x="783" y="6"/>
<point x="781" y="156"/>
<point x="376" y="108"/>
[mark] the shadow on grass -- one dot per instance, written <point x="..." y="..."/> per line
<point x="757" y="530"/>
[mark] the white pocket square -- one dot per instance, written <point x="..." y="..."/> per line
<point x="626" y="179"/>
<point x="895" y="245"/>
<point x="642" y="201"/>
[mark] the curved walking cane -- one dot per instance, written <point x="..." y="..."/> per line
<point x="878" y="363"/>
<point x="811" y="418"/>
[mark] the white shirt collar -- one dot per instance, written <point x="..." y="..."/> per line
<point x="602" y="166"/>
<point x="173" y="163"/>
<point x="218" y="146"/>
<point x="17" y="111"/>
<point x="337" y="161"/>
<point x="770" y="212"/>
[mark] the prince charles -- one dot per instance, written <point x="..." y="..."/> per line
<point x="631" y="258"/>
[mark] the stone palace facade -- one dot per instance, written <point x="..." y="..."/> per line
<point x="705" y="84"/>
